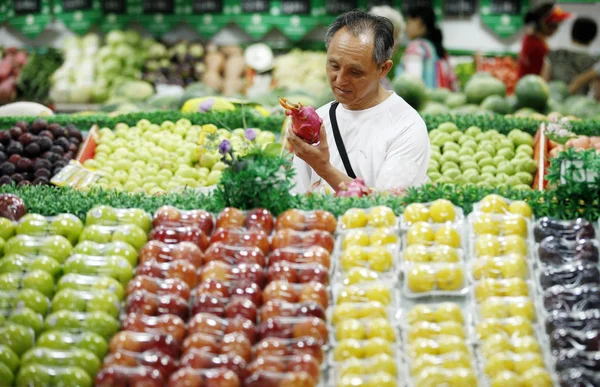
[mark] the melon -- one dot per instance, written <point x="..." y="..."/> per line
<point x="434" y="108"/>
<point x="455" y="100"/>
<point x="479" y="88"/>
<point x="532" y="92"/>
<point x="412" y="89"/>
<point x="559" y="90"/>
<point x="496" y="104"/>
<point x="438" y="95"/>
<point x="466" y="109"/>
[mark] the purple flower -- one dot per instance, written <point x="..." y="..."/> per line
<point x="250" y="134"/>
<point x="225" y="147"/>
<point x="206" y="105"/>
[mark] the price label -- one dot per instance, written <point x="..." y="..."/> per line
<point x="158" y="6"/>
<point x="24" y="7"/>
<point x="459" y="7"/>
<point x="255" y="6"/>
<point x="114" y="6"/>
<point x="407" y="4"/>
<point x="295" y="7"/>
<point x="336" y="7"/>
<point x="76" y="5"/>
<point x="207" y="6"/>
<point x="508" y="7"/>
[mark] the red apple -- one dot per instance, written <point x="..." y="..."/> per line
<point x="314" y="254"/>
<point x="307" y="220"/>
<point x="208" y="324"/>
<point x="163" y="252"/>
<point x="321" y="220"/>
<point x="310" y="309"/>
<point x="141" y="342"/>
<point x="188" y="377"/>
<point x="259" y="218"/>
<point x="143" y="302"/>
<point x="174" y="235"/>
<point x="282" y="271"/>
<point x="304" y="363"/>
<point x="199" y="359"/>
<point x="212" y="287"/>
<point x="271" y="364"/>
<point x="233" y="255"/>
<point x="166" y="215"/>
<point x="239" y="306"/>
<point x="310" y="346"/>
<point x="242" y="325"/>
<point x="272" y="347"/>
<point x="292" y="219"/>
<point x="277" y="308"/>
<point x="297" y="379"/>
<point x="252" y="238"/>
<point x="217" y="270"/>
<point x="176" y="269"/>
<point x="314" y="291"/>
<point x="312" y="272"/>
<point x="206" y="303"/>
<point x="129" y="376"/>
<point x="252" y="272"/>
<point x="170" y="286"/>
<point x="166" y="324"/>
<point x="12" y="207"/>
<point x="201" y="341"/>
<point x="230" y="218"/>
<point x="246" y="289"/>
<point x="236" y="344"/>
<point x="281" y="290"/>
<point x="263" y="379"/>
<point x="166" y="365"/>
<point x="281" y="327"/>
<point x="310" y="327"/>
<point x="220" y="377"/>
<point x="199" y="218"/>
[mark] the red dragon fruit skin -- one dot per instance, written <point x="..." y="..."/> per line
<point x="306" y="123"/>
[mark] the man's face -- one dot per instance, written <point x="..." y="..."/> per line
<point x="353" y="74"/>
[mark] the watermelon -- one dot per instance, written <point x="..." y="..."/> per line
<point x="466" y="109"/>
<point x="455" y="100"/>
<point x="435" y="108"/>
<point x="559" y="90"/>
<point x="480" y="88"/>
<point x="496" y="104"/>
<point x="438" y="95"/>
<point x="412" y="89"/>
<point x="512" y="102"/>
<point x="532" y="92"/>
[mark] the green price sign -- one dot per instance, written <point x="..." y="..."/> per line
<point x="30" y="17"/>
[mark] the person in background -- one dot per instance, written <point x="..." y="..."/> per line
<point x="585" y="78"/>
<point x="398" y="22"/>
<point x="425" y="55"/>
<point x="542" y="22"/>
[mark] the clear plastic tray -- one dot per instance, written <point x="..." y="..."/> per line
<point x="168" y="286"/>
<point x="569" y="276"/>
<point x="98" y="322"/>
<point x="385" y="260"/>
<point x="282" y="308"/>
<point x="300" y="220"/>
<point x="163" y="324"/>
<point x="36" y="279"/>
<point x="449" y="234"/>
<point x="91" y="283"/>
<point x="174" y="216"/>
<point x="28" y="298"/>
<point x="231" y="344"/>
<point x="113" y="266"/>
<point x="20" y="263"/>
<point x="176" y="234"/>
<point x="582" y="321"/>
<point x="145" y="341"/>
<point x="481" y="223"/>
<point x="119" y="248"/>
<point x="367" y="237"/>
<point x="232" y="255"/>
<point x="313" y="254"/>
<point x="369" y="369"/>
<point x="128" y="233"/>
<point x="278" y="347"/>
<point x="65" y="225"/>
<point x="502" y="267"/>
<point x="567" y="229"/>
<point x="242" y="238"/>
<point x="310" y="291"/>
<point x="90" y="341"/>
<point x="512" y="287"/>
<point x="363" y="349"/>
<point x="286" y="364"/>
<point x="198" y="359"/>
<point x="488" y="245"/>
<point x="55" y="246"/>
<point x="378" y="216"/>
<point x="435" y="279"/>
<point x="224" y="307"/>
<point x="109" y="216"/>
<point x="143" y="302"/>
<point x="74" y="357"/>
<point x="298" y="272"/>
<point x="240" y="289"/>
<point x="366" y="328"/>
<point x="162" y="252"/>
<point x="43" y="375"/>
<point x="358" y="310"/>
<point x="497" y="204"/>
<point x="98" y="300"/>
<point x="438" y="211"/>
<point x="570" y="300"/>
<point x="183" y="270"/>
<point x="224" y="272"/>
<point x="432" y="254"/>
<point x="506" y="307"/>
<point x="556" y="252"/>
<point x="218" y="327"/>
<point x="384" y="292"/>
<point x="294" y="328"/>
<point x="109" y="376"/>
<point x="302" y="239"/>
<point x="165" y="364"/>
<point x="256" y="219"/>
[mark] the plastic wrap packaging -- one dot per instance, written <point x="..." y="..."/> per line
<point x="163" y="324"/>
<point x="382" y="292"/>
<point x="165" y="364"/>
<point x="438" y="211"/>
<point x="569" y="276"/>
<point x="17" y="337"/>
<point x="62" y="340"/>
<point x="15" y="263"/>
<point x="242" y="238"/>
<point x="36" y="279"/>
<point x="579" y="321"/>
<point x="217" y="327"/>
<point x="298" y="272"/>
<point x="501" y="267"/>
<point x="374" y="217"/>
<point x="256" y="219"/>
<point x="28" y="298"/>
<point x="113" y="266"/>
<point x="143" y="302"/>
<point x="382" y="369"/>
<point x="368" y="237"/>
<point x="481" y="223"/>
<point x="489" y="245"/>
<point x="429" y="279"/>
<point x="109" y="216"/>
<point x="65" y="225"/>
<point x="496" y="204"/>
<point x="306" y="220"/>
<point x="347" y="349"/>
<point x="199" y="359"/>
<point x="309" y="291"/>
<point x="169" y="215"/>
<point x="358" y="310"/>
<point x="224" y="307"/>
<point x="56" y="247"/>
<point x="298" y="255"/>
<point x="90" y="283"/>
<point x="75" y="357"/>
<point x="224" y="272"/>
<point x="122" y="249"/>
<point x="579" y="299"/>
<point x="567" y="229"/>
<point x="278" y="347"/>
<point x="293" y="328"/>
<point x="447" y="234"/>
<point x="145" y="341"/>
<point x="418" y="253"/>
<point x="385" y="260"/>
<point x="505" y="307"/>
<point x="231" y="344"/>
<point x="98" y="300"/>
<point x="24" y="316"/>
<point x="557" y="251"/>
<point x="182" y="270"/>
<point x="512" y="287"/>
<point x="35" y="374"/>
<point x="245" y="289"/>
<point x="282" y="308"/>
<point x="115" y="375"/>
<point x="302" y="239"/>
<point x="159" y="286"/>
<point x="128" y="233"/>
<point x="233" y="255"/>
<point x="162" y="252"/>
<point x="192" y="377"/>
<point x="267" y="378"/>
<point x="173" y="234"/>
<point x="97" y="322"/>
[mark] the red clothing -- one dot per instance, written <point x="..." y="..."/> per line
<point x="531" y="58"/>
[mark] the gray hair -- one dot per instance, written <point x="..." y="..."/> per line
<point x="360" y="22"/>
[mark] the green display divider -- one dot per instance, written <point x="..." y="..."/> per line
<point x="503" y="17"/>
<point x="205" y="16"/>
<point x="157" y="16"/>
<point x="115" y="15"/>
<point x="78" y="15"/>
<point x="3" y="10"/>
<point x="29" y="17"/>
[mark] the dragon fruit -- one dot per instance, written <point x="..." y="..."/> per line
<point x="356" y="188"/>
<point x="306" y="123"/>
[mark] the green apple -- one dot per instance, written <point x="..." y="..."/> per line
<point x="466" y="151"/>
<point x="480" y="155"/>
<point x="449" y="165"/>
<point x="219" y="166"/>
<point x="484" y="161"/>
<point x="455" y="136"/>
<point x="487" y="146"/>
<point x="489" y="169"/>
<point x="101" y="323"/>
<point x="463" y="138"/>
<point x="506" y="167"/>
<point x="435" y="155"/>
<point x="61" y="340"/>
<point x="35" y="279"/>
<point x="32" y="224"/>
<point x="451" y="173"/>
<point x="17" y="337"/>
<point x="524" y="177"/>
<point x="525" y="165"/>
<point x="56" y="246"/>
<point x="19" y="263"/>
<point x="434" y="176"/>
<point x="525" y="148"/>
<point x="240" y="132"/>
<point x="431" y="169"/>
<point x="513" y="180"/>
<point x="473" y="131"/>
<point x="213" y="178"/>
<point x="102" y="215"/>
<point x="90" y="283"/>
<point x="9" y="358"/>
<point x="131" y="234"/>
<point x="209" y="159"/>
<point x="518" y="137"/>
<point x="28" y="318"/>
<point x="451" y="146"/>
<point x="507" y="153"/>
<point x="441" y="139"/>
<point x="470" y="164"/>
<point x="66" y="225"/>
<point x="464" y="158"/>
<point x="449" y="156"/>
<point x="7" y="228"/>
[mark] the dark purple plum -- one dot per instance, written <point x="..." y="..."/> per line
<point x="580" y="321"/>
<point x="45" y="143"/>
<point x="42" y="164"/>
<point x="17" y="178"/>
<point x="571" y="275"/>
<point x="558" y="251"/>
<point x="572" y="299"/>
<point x="57" y="149"/>
<point x="14" y="148"/>
<point x="41" y="180"/>
<point x="4" y="137"/>
<point x="38" y="125"/>
<point x="47" y="133"/>
<point x="578" y="377"/>
<point x="26" y="138"/>
<point x="24" y="165"/>
<point x="7" y="169"/>
<point x="42" y="173"/>
<point x="5" y="180"/>
<point x="23" y="125"/>
<point x="32" y="150"/>
<point x="569" y="229"/>
<point x="15" y="132"/>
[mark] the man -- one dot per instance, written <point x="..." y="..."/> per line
<point x="585" y="78"/>
<point x="566" y="64"/>
<point x="386" y="141"/>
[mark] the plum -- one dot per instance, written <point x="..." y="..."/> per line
<point x="570" y="276"/>
<point x="572" y="299"/>
<point x="569" y="229"/>
<point x="581" y="321"/>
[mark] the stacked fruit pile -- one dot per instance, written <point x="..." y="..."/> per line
<point x="73" y="328"/>
<point x="364" y="331"/>
<point x="155" y="158"/>
<point x="566" y="271"/>
<point x="32" y="153"/>
<point x="504" y="311"/>
<point x="484" y="158"/>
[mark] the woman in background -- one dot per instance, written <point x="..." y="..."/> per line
<point x="542" y="23"/>
<point x="425" y="55"/>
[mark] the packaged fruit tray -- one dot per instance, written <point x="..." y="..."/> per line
<point x="489" y="245"/>
<point x="365" y="328"/>
<point x="109" y="216"/>
<point x="554" y="252"/>
<point x="570" y="300"/>
<point x="496" y="204"/>
<point x="374" y="217"/>
<point x="437" y="212"/>
<point x="481" y="223"/>
<point x="418" y="253"/>
<point x="35" y="225"/>
<point x="502" y="267"/>
<point x="427" y="234"/>
<point x="360" y="310"/>
<point x="379" y="370"/>
<point x="434" y="279"/>
<point x="568" y="276"/>
<point x="567" y="229"/>
<point x="348" y="349"/>
<point x="300" y="220"/>
<point x="280" y="347"/>
<point x="384" y="292"/>
<point x="301" y="255"/>
<point x="367" y="237"/>
<point x="383" y="260"/>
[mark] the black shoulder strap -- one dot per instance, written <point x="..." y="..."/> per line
<point x="338" y="140"/>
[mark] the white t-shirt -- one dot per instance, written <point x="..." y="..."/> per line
<point x="388" y="147"/>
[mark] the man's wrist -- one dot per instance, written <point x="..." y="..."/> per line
<point x="324" y="170"/>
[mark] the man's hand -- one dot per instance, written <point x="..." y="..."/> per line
<point x="316" y="156"/>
